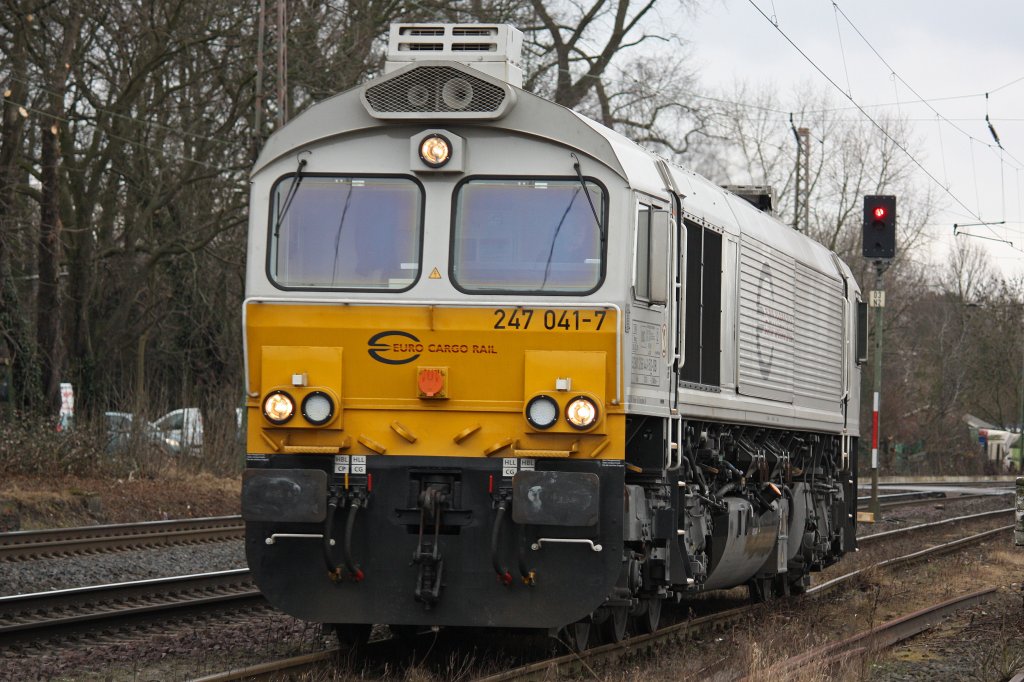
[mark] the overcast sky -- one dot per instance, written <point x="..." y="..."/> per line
<point x="942" y="49"/>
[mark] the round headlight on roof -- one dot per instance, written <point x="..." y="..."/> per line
<point x="317" y="408"/>
<point x="542" y="412"/>
<point x="278" y="407"/>
<point x="581" y="412"/>
<point x="435" y="150"/>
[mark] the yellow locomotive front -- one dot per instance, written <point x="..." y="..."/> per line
<point x="434" y="369"/>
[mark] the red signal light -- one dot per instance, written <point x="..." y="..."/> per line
<point x="879" y="212"/>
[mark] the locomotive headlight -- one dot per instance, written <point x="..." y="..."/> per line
<point x="278" y="407"/>
<point x="542" y="412"/>
<point x="317" y="408"/>
<point x="435" y="150"/>
<point x="581" y="412"/>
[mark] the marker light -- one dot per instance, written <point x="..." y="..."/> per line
<point x="435" y="150"/>
<point x="581" y="413"/>
<point x="317" y="408"/>
<point x="542" y="412"/>
<point x="278" y="407"/>
<point x="879" y="212"/>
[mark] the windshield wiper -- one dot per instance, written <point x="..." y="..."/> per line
<point x="337" y="237"/>
<point x="554" y="239"/>
<point x="293" y="189"/>
<point x="558" y="228"/>
<point x="583" y="184"/>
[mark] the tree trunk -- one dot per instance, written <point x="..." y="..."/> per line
<point x="49" y="254"/>
<point x="48" y="309"/>
<point x="12" y="324"/>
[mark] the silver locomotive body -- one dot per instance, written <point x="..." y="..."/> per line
<point x="724" y="453"/>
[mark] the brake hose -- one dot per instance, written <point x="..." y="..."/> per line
<point x="503" y="574"/>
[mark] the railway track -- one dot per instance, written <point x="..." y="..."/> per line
<point x="33" y="619"/>
<point x="554" y="668"/>
<point x="563" y="665"/>
<point x="35" y="544"/>
<point x="875" y="537"/>
<point x="877" y="638"/>
<point x="933" y="499"/>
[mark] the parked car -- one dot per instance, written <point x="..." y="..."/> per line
<point x="177" y="432"/>
<point x="182" y="429"/>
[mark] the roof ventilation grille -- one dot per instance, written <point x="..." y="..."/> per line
<point x="494" y="49"/>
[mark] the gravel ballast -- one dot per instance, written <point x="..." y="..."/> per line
<point x="39" y="575"/>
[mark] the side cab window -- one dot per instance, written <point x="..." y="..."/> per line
<point x="651" y="256"/>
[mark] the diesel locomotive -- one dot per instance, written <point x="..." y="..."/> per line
<point x="506" y="368"/>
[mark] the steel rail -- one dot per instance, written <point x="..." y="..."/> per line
<point x="274" y="669"/>
<point x="894" y="481"/>
<point x="916" y="495"/>
<point x="877" y="638"/>
<point x="937" y="550"/>
<point x="870" y="539"/>
<point x="555" y="667"/>
<point x="31" y="544"/>
<point x="937" y="500"/>
<point x="26" y="617"/>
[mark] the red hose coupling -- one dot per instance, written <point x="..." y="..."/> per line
<point x="358" y="577"/>
<point x="505" y="578"/>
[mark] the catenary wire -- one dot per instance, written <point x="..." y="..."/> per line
<point x="884" y="132"/>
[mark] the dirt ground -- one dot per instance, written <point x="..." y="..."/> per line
<point x="30" y="503"/>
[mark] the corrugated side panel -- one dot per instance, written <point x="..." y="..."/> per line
<point x="766" y="332"/>
<point x="818" y="367"/>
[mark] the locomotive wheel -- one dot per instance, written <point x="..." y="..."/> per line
<point x="406" y="634"/>
<point x="352" y="639"/>
<point x="577" y="635"/>
<point x="761" y="589"/>
<point x="647" y="620"/>
<point x="613" y="628"/>
<point x="796" y="586"/>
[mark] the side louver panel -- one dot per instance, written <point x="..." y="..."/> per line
<point x="442" y="91"/>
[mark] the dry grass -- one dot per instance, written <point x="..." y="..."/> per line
<point x="788" y="628"/>
<point x="78" y="501"/>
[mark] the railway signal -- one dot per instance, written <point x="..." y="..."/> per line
<point x="880" y="246"/>
<point x="880" y="227"/>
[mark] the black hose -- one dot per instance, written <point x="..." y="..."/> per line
<point x="332" y="508"/>
<point x="731" y="467"/>
<point x="502" y="572"/>
<point x="350" y="522"/>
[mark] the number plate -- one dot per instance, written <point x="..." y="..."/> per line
<point x="533" y="319"/>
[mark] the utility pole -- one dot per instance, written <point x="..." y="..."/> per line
<point x="279" y="46"/>
<point x="802" y="178"/>
<point x="1020" y="424"/>
<point x="257" y="126"/>
<point x="282" y="62"/>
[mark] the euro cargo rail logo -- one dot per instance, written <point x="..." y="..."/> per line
<point x="773" y="326"/>
<point x="383" y="347"/>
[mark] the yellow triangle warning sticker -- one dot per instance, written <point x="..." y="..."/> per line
<point x="434" y="274"/>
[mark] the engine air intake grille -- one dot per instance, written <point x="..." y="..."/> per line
<point x="436" y="90"/>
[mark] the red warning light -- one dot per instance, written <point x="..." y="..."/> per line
<point x="879" y="212"/>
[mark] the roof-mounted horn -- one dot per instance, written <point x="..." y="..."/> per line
<point x="447" y="71"/>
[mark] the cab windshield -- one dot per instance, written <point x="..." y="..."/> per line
<point x="524" y="235"/>
<point x="345" y="232"/>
